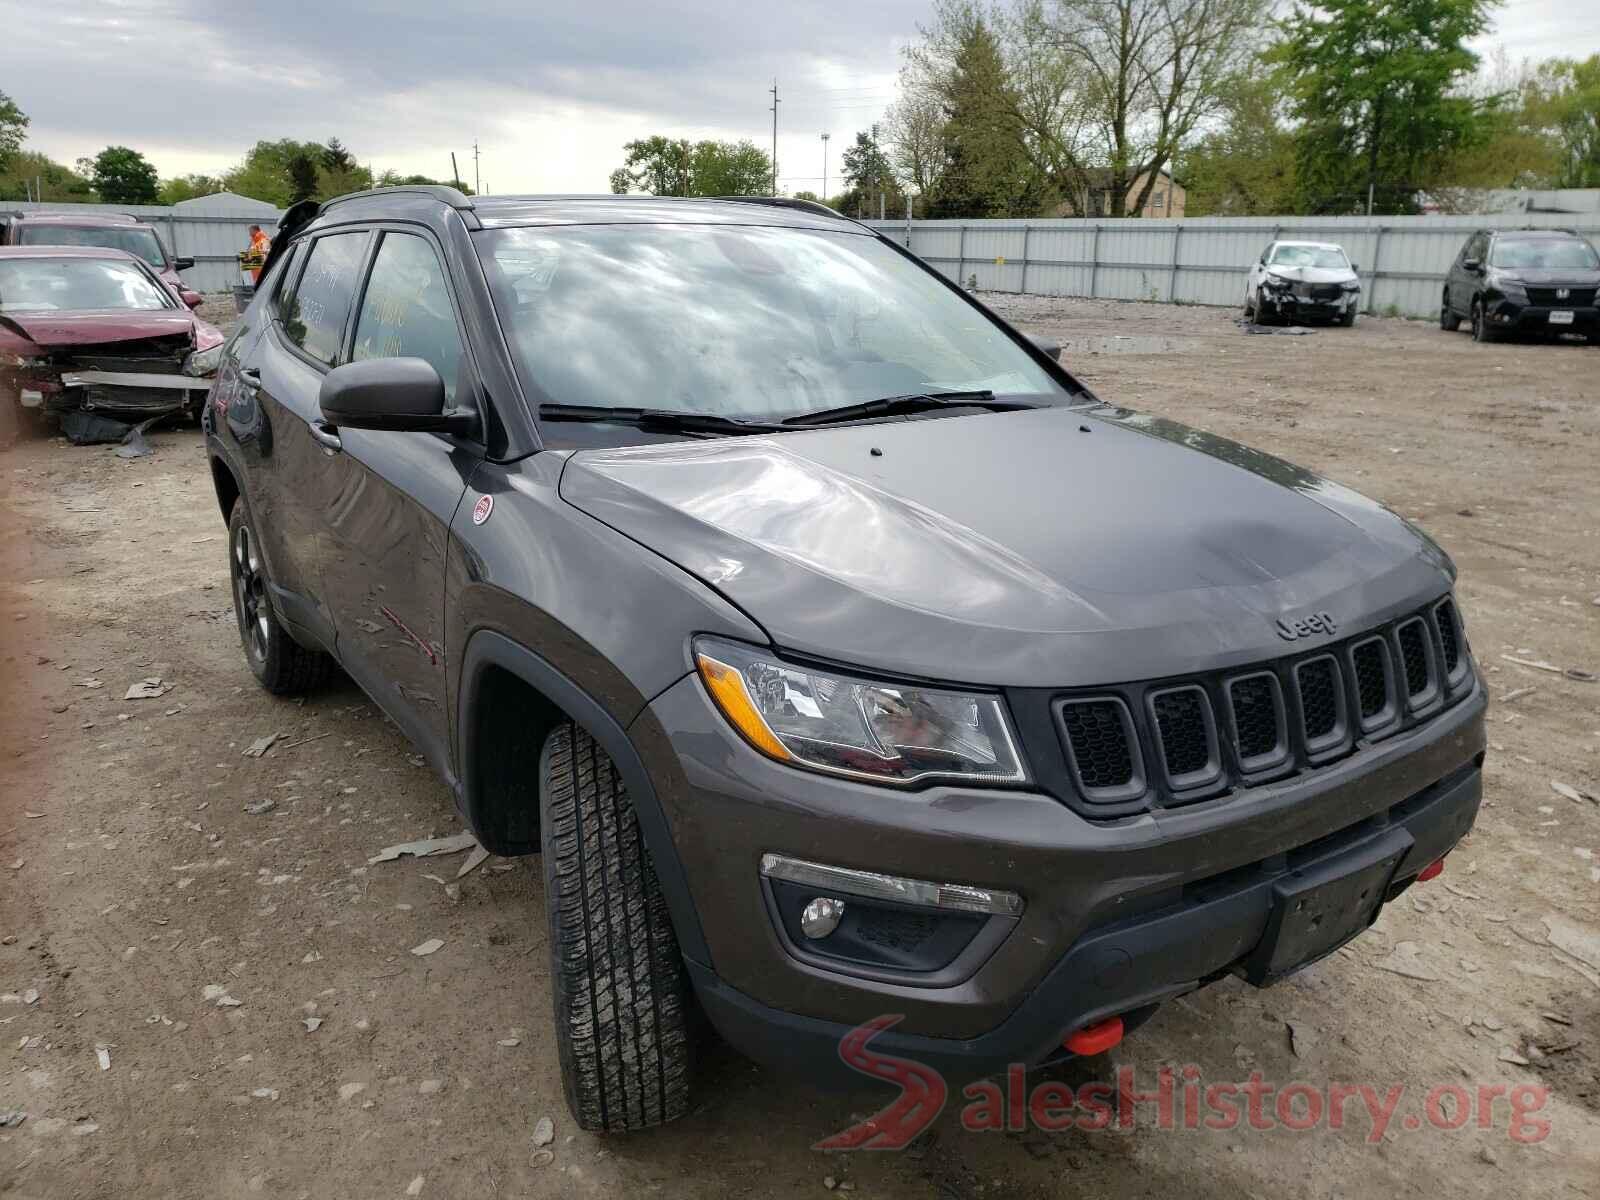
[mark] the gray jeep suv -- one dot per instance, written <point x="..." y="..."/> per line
<point x="846" y="660"/>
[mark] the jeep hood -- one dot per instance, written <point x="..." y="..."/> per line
<point x="1048" y="547"/>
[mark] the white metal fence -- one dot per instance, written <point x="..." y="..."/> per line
<point x="1402" y="260"/>
<point x="211" y="230"/>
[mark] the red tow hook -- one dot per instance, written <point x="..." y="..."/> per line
<point x="1094" y="1039"/>
<point x="1432" y="871"/>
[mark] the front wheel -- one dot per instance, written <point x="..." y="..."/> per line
<point x="1348" y="317"/>
<point x="621" y="996"/>
<point x="1482" y="331"/>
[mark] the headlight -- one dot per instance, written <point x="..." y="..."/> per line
<point x="1511" y="289"/>
<point x="203" y="362"/>
<point x="1352" y="285"/>
<point x="886" y="732"/>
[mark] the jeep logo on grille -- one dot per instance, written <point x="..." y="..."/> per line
<point x="1308" y="626"/>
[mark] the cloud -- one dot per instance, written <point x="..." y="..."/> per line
<point x="550" y="91"/>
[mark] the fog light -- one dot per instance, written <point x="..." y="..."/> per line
<point x="821" y="917"/>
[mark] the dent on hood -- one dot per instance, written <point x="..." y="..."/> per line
<point x="1374" y="519"/>
<point x="831" y="523"/>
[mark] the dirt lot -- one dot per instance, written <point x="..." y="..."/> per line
<point x="137" y="869"/>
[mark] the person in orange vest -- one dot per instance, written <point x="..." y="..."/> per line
<point x="256" y="256"/>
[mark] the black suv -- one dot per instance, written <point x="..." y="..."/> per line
<point x="1523" y="281"/>
<point x="844" y="657"/>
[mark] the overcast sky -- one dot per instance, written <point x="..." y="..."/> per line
<point x="550" y="91"/>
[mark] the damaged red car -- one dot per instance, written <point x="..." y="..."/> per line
<point x="94" y="340"/>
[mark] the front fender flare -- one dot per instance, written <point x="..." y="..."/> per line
<point x="487" y="649"/>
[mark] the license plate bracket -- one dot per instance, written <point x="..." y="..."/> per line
<point x="1321" y="907"/>
<point x="1562" y="316"/>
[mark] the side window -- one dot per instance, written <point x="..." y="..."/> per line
<point x="406" y="312"/>
<point x="315" y="315"/>
<point x="282" y="280"/>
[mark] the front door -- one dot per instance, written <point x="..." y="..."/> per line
<point x="391" y="500"/>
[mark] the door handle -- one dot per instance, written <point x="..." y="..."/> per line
<point x="250" y="377"/>
<point x="322" y="433"/>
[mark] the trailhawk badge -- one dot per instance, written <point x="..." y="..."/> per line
<point x="1309" y="626"/>
<point x="482" y="509"/>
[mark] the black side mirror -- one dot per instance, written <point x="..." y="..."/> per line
<point x="1355" y="268"/>
<point x="182" y="264"/>
<point x="1048" y="345"/>
<point x="1471" y="265"/>
<point x="395" y="394"/>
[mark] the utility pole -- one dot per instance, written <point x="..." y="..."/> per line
<point x="774" y="90"/>
<point x="477" y="184"/>
<point x="824" y="168"/>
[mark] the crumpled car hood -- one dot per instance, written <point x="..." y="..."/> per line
<point x="1049" y="547"/>
<point x="49" y="329"/>
<point x="1314" y="274"/>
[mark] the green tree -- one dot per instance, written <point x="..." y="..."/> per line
<point x="13" y="129"/>
<point x="1245" y="166"/>
<point x="187" y="187"/>
<point x="264" y="173"/>
<point x="659" y="165"/>
<point x="123" y="176"/>
<point x="395" y="179"/>
<point x="663" y="166"/>
<point x="1376" y="86"/>
<point x="303" y="181"/>
<point x="29" y="174"/>
<point x="1566" y="101"/>
<point x="868" y="174"/>
<point x="730" y="169"/>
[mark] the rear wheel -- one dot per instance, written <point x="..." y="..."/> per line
<point x="1482" y="331"/>
<point x="621" y="996"/>
<point x="1449" y="319"/>
<point x="280" y="664"/>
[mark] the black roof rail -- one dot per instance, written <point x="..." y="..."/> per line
<point x="810" y="206"/>
<point x="437" y="191"/>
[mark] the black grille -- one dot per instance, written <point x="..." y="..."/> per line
<point x="1414" y="656"/>
<point x="1446" y="616"/>
<point x="1319" y="697"/>
<point x="1372" y="688"/>
<point x="894" y="930"/>
<point x="1099" y="743"/>
<point x="1322" y="291"/>
<point x="1181" y="719"/>
<point x="1255" y="715"/>
<point x="1578" y="297"/>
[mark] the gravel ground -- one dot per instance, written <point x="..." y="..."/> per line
<point x="227" y="1002"/>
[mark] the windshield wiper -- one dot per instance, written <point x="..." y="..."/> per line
<point x="914" y="402"/>
<point x="665" y="419"/>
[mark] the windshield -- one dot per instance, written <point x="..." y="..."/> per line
<point x="1544" y="254"/>
<point x="1326" y="257"/>
<point x="76" y="284"/>
<point x="741" y="321"/>
<point x="140" y="242"/>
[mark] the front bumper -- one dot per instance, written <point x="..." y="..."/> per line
<point x="1536" y="318"/>
<point x="1289" y="305"/>
<point x="1118" y="914"/>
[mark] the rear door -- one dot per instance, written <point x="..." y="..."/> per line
<point x="393" y="495"/>
<point x="285" y="460"/>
